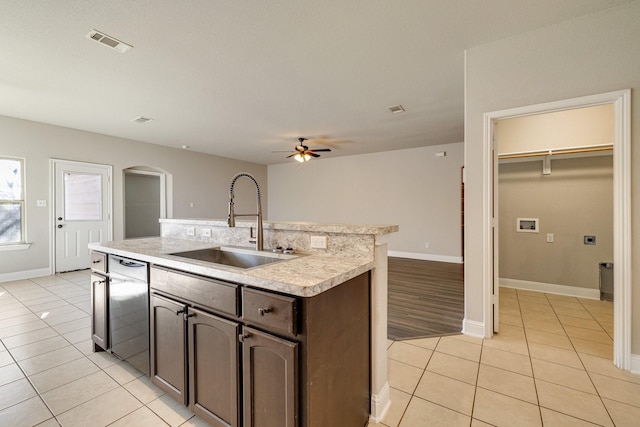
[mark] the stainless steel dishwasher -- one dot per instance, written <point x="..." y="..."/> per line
<point x="129" y="311"/>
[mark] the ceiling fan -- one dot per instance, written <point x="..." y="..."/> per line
<point x="303" y="153"/>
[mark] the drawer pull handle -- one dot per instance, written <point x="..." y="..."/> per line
<point x="186" y="316"/>
<point x="244" y="336"/>
<point x="96" y="261"/>
<point x="182" y="310"/>
<point x="99" y="282"/>
<point x="264" y="311"/>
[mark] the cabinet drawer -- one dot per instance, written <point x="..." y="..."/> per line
<point x="99" y="262"/>
<point x="276" y="313"/>
<point x="209" y="293"/>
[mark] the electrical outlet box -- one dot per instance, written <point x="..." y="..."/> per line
<point x="318" y="242"/>
<point x="191" y="231"/>
<point x="41" y="203"/>
<point x="589" y="240"/>
<point x="206" y="232"/>
<point x="549" y="237"/>
<point x="426" y="245"/>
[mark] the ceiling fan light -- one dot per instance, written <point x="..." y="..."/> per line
<point x="299" y="157"/>
<point x="307" y="157"/>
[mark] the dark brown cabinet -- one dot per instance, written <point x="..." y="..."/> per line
<point x="99" y="313"/>
<point x="240" y="356"/>
<point x="270" y="379"/>
<point x="213" y="368"/>
<point x="168" y="347"/>
<point x="182" y="332"/>
<point x="212" y="372"/>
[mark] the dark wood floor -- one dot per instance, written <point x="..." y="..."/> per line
<point x="426" y="298"/>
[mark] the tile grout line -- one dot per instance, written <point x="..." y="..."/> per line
<point x="30" y="383"/>
<point x="580" y="359"/>
<point x="28" y="378"/>
<point x="533" y="372"/>
<point x="576" y="351"/>
<point x="424" y="370"/>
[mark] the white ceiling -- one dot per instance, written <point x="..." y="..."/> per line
<point x="242" y="78"/>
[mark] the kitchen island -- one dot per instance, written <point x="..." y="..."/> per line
<point x="331" y="332"/>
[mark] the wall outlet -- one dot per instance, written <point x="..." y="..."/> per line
<point x="318" y="242"/>
<point x="426" y="245"/>
<point x="41" y="203"/>
<point x="191" y="231"/>
<point x="206" y="232"/>
<point x="549" y="237"/>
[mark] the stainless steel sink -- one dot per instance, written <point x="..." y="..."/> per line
<point x="234" y="257"/>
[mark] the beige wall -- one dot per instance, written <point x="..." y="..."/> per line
<point x="579" y="127"/>
<point x="143" y="204"/>
<point x="596" y="53"/>
<point x="198" y="178"/>
<point x="412" y="188"/>
<point x="574" y="201"/>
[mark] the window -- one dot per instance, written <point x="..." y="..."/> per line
<point x="11" y="200"/>
<point x="82" y="197"/>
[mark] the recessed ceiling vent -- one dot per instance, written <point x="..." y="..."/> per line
<point x="396" y="109"/>
<point x="108" y="41"/>
<point x="141" y="119"/>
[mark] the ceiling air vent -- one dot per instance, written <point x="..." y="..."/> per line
<point x="141" y="119"/>
<point x="396" y="109"/>
<point x="108" y="41"/>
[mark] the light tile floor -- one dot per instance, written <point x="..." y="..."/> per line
<point x="48" y="374"/>
<point x="550" y="364"/>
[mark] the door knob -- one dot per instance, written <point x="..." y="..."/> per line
<point x="59" y="218"/>
<point x="59" y="225"/>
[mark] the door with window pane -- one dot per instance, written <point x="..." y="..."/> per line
<point x="82" y="212"/>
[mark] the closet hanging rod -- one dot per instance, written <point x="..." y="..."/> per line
<point x="556" y="152"/>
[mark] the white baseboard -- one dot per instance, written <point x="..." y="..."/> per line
<point x="380" y="404"/>
<point x="551" y="288"/>
<point x="473" y="328"/>
<point x="635" y="364"/>
<point x="27" y="274"/>
<point x="426" y="257"/>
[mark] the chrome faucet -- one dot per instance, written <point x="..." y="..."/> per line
<point x="231" y="219"/>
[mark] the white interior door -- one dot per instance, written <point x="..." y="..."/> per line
<point x="82" y="211"/>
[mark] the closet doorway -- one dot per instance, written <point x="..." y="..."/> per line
<point x="621" y="102"/>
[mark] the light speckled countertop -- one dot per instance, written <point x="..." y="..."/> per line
<point x="371" y="229"/>
<point x="305" y="276"/>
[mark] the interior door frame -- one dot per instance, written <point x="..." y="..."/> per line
<point x="621" y="101"/>
<point x="52" y="206"/>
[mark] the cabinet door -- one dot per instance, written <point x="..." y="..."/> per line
<point x="168" y="347"/>
<point x="213" y="368"/>
<point x="99" y="314"/>
<point x="270" y="380"/>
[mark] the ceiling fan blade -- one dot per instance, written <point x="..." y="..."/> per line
<point x="321" y="149"/>
<point x="313" y="154"/>
<point x="294" y="154"/>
